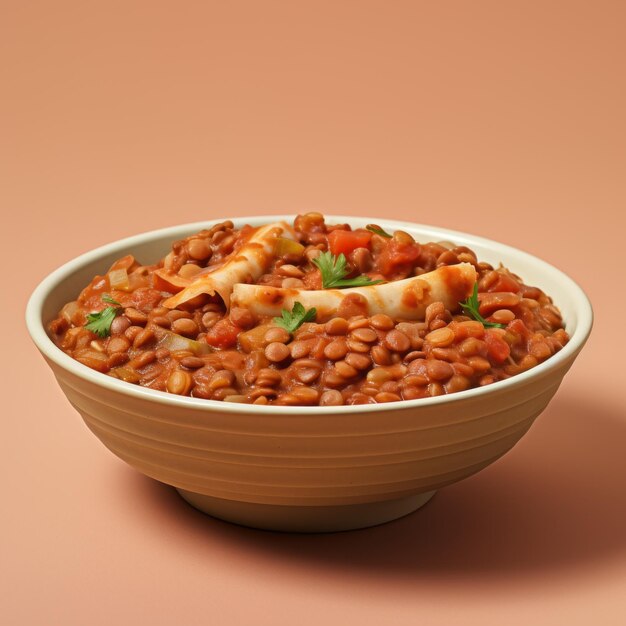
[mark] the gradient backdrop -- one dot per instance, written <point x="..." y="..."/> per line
<point x="504" y="119"/>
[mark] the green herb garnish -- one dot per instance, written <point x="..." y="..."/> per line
<point x="471" y="305"/>
<point x="377" y="230"/>
<point x="100" y="323"/>
<point x="292" y="321"/>
<point x="334" y="272"/>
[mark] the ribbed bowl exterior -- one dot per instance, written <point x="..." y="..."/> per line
<point x="323" y="459"/>
<point x="288" y="465"/>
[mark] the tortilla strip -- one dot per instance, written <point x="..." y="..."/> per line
<point x="246" y="265"/>
<point x="402" y="299"/>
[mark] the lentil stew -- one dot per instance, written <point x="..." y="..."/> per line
<point x="309" y="313"/>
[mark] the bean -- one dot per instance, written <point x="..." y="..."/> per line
<point x="528" y="361"/>
<point x="142" y="359"/>
<point x="189" y="270"/>
<point x="416" y="354"/>
<point x="143" y="337"/>
<point x="235" y="398"/>
<point x="503" y="316"/>
<point x="361" y="398"/>
<point x="185" y="327"/>
<point x="345" y="370"/>
<point x="318" y="347"/>
<point x="292" y="283"/>
<point x="119" y="325"/>
<point x="369" y="389"/>
<point x="306" y="395"/>
<point x="192" y="362"/>
<point x="224" y="392"/>
<point x="479" y="364"/>
<point x="379" y="375"/>
<point x="336" y="349"/>
<point x="267" y="377"/>
<point x="397" y="341"/>
<point x="336" y="326"/>
<point x="445" y="354"/>
<point x="243" y="318"/>
<point x="380" y="355"/>
<point x="358" y="346"/>
<point x="386" y="396"/>
<point x="440" y="338"/>
<point x="472" y="346"/>
<point x="366" y="335"/>
<point x="210" y="318"/>
<point x="276" y="352"/>
<point x="359" y="321"/>
<point x="438" y="370"/>
<point x="118" y="344"/>
<point x="358" y="361"/>
<point x="162" y="321"/>
<point x="434" y="310"/>
<point x="487" y="379"/>
<point x="414" y="380"/>
<point x="179" y="383"/>
<point x="95" y="360"/>
<point x="333" y="379"/>
<point x="435" y="389"/>
<point x="380" y="321"/>
<point x="457" y="383"/>
<point x="137" y="318"/>
<point x="290" y="270"/>
<point x="413" y="393"/>
<point x="117" y="358"/>
<point x="261" y="400"/>
<point x="198" y="249"/>
<point x="299" y="348"/>
<point x="221" y="378"/>
<point x="262" y="392"/>
<point x="390" y="385"/>
<point x="331" y="397"/>
<point x="463" y="369"/>
<point x="277" y="334"/>
<point x="307" y="375"/>
<point x="162" y="353"/>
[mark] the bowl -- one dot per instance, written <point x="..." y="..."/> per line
<point x="307" y="469"/>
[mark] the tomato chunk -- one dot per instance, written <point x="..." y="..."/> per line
<point x="345" y="241"/>
<point x="398" y="256"/>
<point x="498" y="350"/>
<point x="223" y="335"/>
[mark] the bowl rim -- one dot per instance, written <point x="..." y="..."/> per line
<point x="35" y="325"/>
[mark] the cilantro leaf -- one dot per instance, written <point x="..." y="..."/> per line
<point x="377" y="230"/>
<point x="298" y="316"/>
<point x="100" y="323"/>
<point x="334" y="271"/>
<point x="471" y="305"/>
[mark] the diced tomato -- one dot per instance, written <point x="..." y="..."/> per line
<point x="498" y="350"/>
<point x="223" y="335"/>
<point x="345" y="241"/>
<point x="398" y="255"/>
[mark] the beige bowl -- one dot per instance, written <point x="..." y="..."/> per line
<point x="307" y="469"/>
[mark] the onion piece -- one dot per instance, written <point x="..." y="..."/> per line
<point x="402" y="299"/>
<point x="174" y="342"/>
<point x="118" y="279"/>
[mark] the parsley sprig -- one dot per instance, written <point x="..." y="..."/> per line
<point x="471" y="305"/>
<point x="291" y="321"/>
<point x="334" y="272"/>
<point x="377" y="230"/>
<point x="100" y="323"/>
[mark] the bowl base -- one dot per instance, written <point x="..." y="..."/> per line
<point x="306" y="519"/>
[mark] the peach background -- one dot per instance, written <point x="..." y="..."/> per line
<point x="504" y="119"/>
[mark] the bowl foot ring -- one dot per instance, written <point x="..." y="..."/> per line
<point x="306" y="519"/>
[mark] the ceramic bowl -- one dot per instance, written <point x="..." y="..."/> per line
<point x="307" y="469"/>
